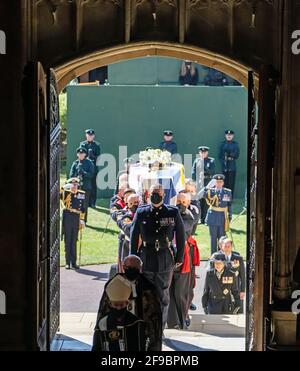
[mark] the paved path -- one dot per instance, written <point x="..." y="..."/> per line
<point x="81" y="290"/>
<point x="80" y="294"/>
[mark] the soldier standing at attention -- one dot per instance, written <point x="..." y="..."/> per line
<point x="219" y="289"/>
<point x="219" y="212"/>
<point x="152" y="238"/>
<point x="229" y="153"/>
<point x="236" y="262"/>
<point x="168" y="144"/>
<point x="202" y="173"/>
<point x="84" y="169"/>
<point x="93" y="152"/>
<point x="73" y="201"/>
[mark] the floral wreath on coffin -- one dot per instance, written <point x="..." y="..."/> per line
<point x="155" y="159"/>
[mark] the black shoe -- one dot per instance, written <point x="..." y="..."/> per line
<point x="75" y="266"/>
<point x="67" y="266"/>
<point x="188" y="322"/>
<point x="193" y="307"/>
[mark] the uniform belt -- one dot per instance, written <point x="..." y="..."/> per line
<point x="157" y="244"/>
<point x="74" y="211"/>
<point x="220" y="209"/>
<point x="225" y="211"/>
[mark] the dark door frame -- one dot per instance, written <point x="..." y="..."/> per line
<point x="256" y="222"/>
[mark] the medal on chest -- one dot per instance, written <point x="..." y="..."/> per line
<point x="227" y="280"/>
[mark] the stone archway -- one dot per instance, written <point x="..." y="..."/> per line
<point x="68" y="71"/>
<point x="72" y="69"/>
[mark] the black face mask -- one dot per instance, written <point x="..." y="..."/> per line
<point x="181" y="208"/>
<point x="131" y="273"/>
<point x="133" y="208"/>
<point x="117" y="313"/>
<point x="156" y="198"/>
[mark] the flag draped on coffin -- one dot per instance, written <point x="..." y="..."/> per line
<point x="141" y="178"/>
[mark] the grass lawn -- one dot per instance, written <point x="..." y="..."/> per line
<point x="100" y="237"/>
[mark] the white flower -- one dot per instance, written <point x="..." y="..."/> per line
<point x="155" y="156"/>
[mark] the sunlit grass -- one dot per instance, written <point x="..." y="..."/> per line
<point x="100" y="237"/>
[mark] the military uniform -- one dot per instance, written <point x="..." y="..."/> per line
<point x="93" y="152"/>
<point x="168" y="146"/>
<point x="85" y="171"/>
<point x="157" y="227"/>
<point x="144" y="304"/>
<point x="218" y="215"/>
<point x="218" y="292"/>
<point x="208" y="167"/>
<point x="117" y="210"/>
<point x="196" y="211"/>
<point x="73" y="212"/>
<point x="124" y="222"/>
<point x="237" y="265"/>
<point x="229" y="153"/>
<point x="179" y="293"/>
<point x="238" y="268"/>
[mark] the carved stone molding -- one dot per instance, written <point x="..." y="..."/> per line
<point x="98" y="2"/>
<point x="158" y="2"/>
<point x="208" y="3"/>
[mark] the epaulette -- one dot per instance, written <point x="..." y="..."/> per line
<point x="227" y="189"/>
<point x="81" y="191"/>
<point x="211" y="158"/>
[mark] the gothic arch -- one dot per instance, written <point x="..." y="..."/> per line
<point x="68" y="71"/>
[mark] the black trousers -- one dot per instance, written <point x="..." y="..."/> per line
<point x="121" y="239"/>
<point x="93" y="195"/>
<point x="71" y="229"/>
<point x="162" y="282"/>
<point x="230" y="180"/>
<point x="204" y="209"/>
<point x="192" y="285"/>
<point x="179" y="300"/>
<point x="86" y="203"/>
